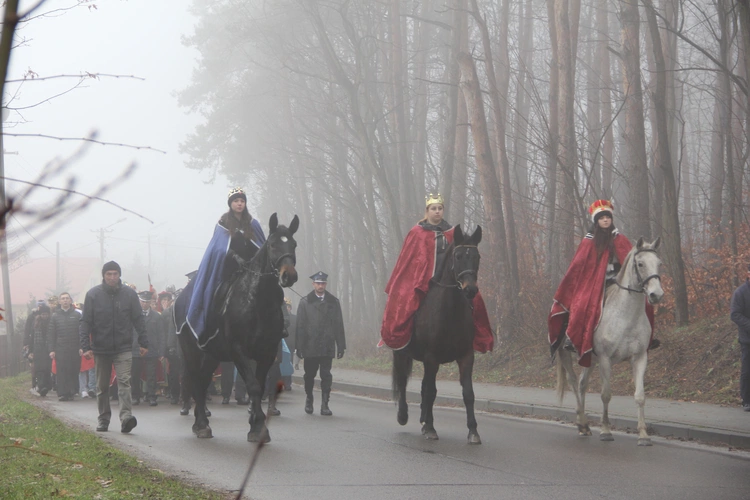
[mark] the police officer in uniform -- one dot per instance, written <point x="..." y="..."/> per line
<point x="319" y="337"/>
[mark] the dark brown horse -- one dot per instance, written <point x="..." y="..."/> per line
<point x="443" y="333"/>
<point x="250" y="327"/>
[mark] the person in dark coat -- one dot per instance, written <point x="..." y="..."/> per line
<point x="111" y="312"/>
<point x="319" y="337"/>
<point x="39" y="350"/>
<point x="65" y="345"/>
<point x="147" y="363"/>
<point x="741" y="316"/>
<point x="28" y="339"/>
<point x="173" y="353"/>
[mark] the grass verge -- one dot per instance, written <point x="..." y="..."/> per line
<point x="42" y="458"/>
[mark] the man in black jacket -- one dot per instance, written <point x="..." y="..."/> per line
<point x="319" y="336"/>
<point x="741" y="316"/>
<point x="64" y="329"/>
<point x="111" y="312"/>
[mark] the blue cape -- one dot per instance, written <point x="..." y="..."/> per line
<point x="199" y="293"/>
<point x="286" y="360"/>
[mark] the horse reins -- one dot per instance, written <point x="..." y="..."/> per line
<point x="462" y="273"/>
<point x="641" y="282"/>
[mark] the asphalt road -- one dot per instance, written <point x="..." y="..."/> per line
<point x="361" y="452"/>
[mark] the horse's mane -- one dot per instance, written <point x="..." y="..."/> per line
<point x="623" y="270"/>
<point x="447" y="263"/>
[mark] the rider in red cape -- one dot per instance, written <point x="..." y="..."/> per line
<point x="577" y="306"/>
<point x="420" y="256"/>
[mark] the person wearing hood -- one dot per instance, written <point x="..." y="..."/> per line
<point x="111" y="313"/>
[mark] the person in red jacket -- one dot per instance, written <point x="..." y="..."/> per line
<point x="577" y="306"/>
<point x="422" y="254"/>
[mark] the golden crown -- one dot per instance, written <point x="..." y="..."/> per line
<point x="234" y="191"/>
<point x="432" y="199"/>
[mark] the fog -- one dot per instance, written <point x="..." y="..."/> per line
<point x="139" y="38"/>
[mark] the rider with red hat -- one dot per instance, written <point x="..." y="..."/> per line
<point x="578" y="302"/>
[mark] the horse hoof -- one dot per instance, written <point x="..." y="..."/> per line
<point x="584" y="430"/>
<point x="205" y="433"/>
<point x="430" y="434"/>
<point x="474" y="438"/>
<point x="257" y="437"/>
<point x="606" y="437"/>
<point x="644" y="442"/>
<point x="403" y="419"/>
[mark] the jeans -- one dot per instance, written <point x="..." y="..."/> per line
<point x="87" y="381"/>
<point x="103" y="365"/>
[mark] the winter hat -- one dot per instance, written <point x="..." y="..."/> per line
<point x="111" y="266"/>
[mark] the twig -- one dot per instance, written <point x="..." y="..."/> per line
<point x="86" y="139"/>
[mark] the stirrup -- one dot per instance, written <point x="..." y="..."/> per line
<point x="654" y="344"/>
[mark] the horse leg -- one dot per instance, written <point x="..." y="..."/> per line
<point x="465" y="370"/>
<point x="255" y="383"/>
<point x="565" y="372"/>
<point x="199" y="383"/>
<point x="429" y="393"/>
<point x="639" y="372"/>
<point x="583" y="387"/>
<point x="402" y="365"/>
<point x="186" y="391"/>
<point x="605" y="370"/>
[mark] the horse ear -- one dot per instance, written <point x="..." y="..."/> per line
<point x="639" y="244"/>
<point x="294" y="225"/>
<point x="458" y="235"/>
<point x="273" y="223"/>
<point x="476" y="238"/>
<point x="657" y="243"/>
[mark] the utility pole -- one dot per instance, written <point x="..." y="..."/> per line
<point x="57" y="270"/>
<point x="102" y="231"/>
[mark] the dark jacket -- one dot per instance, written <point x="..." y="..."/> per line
<point x="741" y="311"/>
<point x="155" y="335"/>
<point x="171" y="339"/>
<point x="109" y="317"/>
<point x="64" y="330"/>
<point x="40" y="345"/>
<point x="320" y="327"/>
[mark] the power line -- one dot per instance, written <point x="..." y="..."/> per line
<point x="32" y="236"/>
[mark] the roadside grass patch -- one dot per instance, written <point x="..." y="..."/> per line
<point x="42" y="458"/>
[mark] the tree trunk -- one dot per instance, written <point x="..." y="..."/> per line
<point x="566" y="152"/>
<point x="672" y="239"/>
<point x="498" y="96"/>
<point x="605" y="73"/>
<point x="491" y="195"/>
<point x="635" y="136"/>
<point x="554" y="260"/>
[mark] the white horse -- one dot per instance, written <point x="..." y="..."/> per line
<point x="623" y="333"/>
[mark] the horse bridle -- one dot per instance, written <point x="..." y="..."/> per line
<point x="641" y="281"/>
<point x="462" y="273"/>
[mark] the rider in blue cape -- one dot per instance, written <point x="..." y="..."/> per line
<point x="203" y="298"/>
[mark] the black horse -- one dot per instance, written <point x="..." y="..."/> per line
<point x="443" y="333"/>
<point x="250" y="327"/>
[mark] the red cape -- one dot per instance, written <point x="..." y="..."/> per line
<point x="579" y="297"/>
<point x="408" y="285"/>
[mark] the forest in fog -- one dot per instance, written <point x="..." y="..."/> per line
<point x="519" y="112"/>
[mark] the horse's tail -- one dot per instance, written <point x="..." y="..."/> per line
<point x="402" y="366"/>
<point x="561" y="376"/>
